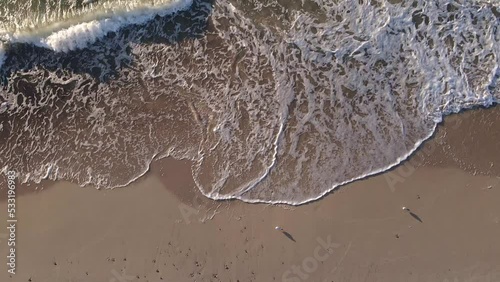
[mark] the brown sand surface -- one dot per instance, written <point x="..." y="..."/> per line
<point x="160" y="229"/>
<point x="469" y="141"/>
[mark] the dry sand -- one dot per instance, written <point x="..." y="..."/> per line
<point x="161" y="229"/>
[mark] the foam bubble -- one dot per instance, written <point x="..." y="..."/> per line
<point x="270" y="107"/>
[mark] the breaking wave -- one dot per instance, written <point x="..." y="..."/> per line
<point x="78" y="33"/>
<point x="272" y="101"/>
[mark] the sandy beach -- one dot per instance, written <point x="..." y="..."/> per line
<point x="161" y="229"/>
<point x="128" y="129"/>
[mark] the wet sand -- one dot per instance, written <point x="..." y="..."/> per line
<point x="160" y="229"/>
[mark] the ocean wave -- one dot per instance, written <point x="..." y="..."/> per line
<point x="77" y="35"/>
<point x="275" y="104"/>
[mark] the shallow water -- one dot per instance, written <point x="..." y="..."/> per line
<point x="273" y="101"/>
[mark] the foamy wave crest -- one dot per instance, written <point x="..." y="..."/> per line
<point x="82" y="34"/>
<point x="273" y="104"/>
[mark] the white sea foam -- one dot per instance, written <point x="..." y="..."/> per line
<point x="279" y="111"/>
<point x="79" y="34"/>
<point x="361" y="104"/>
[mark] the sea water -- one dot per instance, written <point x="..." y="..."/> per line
<point x="273" y="101"/>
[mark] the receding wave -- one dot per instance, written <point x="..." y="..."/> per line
<point x="272" y="101"/>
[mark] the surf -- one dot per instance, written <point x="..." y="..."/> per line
<point x="271" y="105"/>
<point x="76" y="30"/>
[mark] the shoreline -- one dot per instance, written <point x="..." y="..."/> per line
<point x="471" y="120"/>
<point x="161" y="229"/>
<point x="147" y="233"/>
<point x="249" y="141"/>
